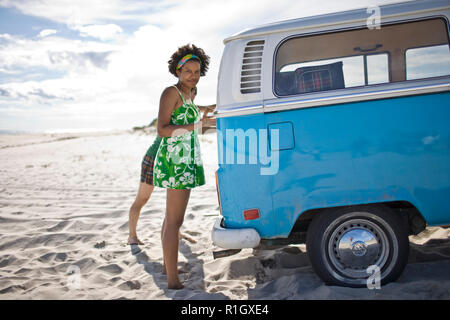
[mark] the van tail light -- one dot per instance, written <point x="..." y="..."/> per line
<point x="251" y="214"/>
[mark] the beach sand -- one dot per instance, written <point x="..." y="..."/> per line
<point x="64" y="201"/>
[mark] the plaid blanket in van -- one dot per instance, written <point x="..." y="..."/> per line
<point x="320" y="78"/>
<point x="310" y="79"/>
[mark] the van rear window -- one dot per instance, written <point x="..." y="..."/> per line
<point x="364" y="57"/>
<point x="427" y="62"/>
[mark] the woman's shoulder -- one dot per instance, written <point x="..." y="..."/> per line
<point x="170" y="93"/>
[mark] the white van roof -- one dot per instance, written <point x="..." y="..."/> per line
<point x="391" y="10"/>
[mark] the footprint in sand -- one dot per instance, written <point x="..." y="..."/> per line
<point x="47" y="257"/>
<point x="61" y="256"/>
<point x="58" y="227"/>
<point x="130" y="285"/>
<point x="111" y="269"/>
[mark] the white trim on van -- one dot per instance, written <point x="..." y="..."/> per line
<point x="366" y="94"/>
<point x="239" y="111"/>
<point x="324" y="98"/>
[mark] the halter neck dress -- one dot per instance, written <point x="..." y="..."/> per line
<point x="178" y="163"/>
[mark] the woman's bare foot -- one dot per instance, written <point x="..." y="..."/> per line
<point x="188" y="238"/>
<point x="180" y="271"/>
<point x="175" y="286"/>
<point x="134" y="240"/>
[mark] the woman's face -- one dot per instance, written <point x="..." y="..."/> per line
<point x="189" y="74"/>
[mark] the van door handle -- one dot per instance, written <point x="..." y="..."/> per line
<point x="377" y="46"/>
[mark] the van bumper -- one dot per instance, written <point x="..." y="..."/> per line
<point x="234" y="238"/>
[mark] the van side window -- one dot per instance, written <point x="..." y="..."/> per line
<point x="364" y="57"/>
<point x="427" y="62"/>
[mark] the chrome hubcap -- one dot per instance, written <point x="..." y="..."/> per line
<point x="357" y="248"/>
<point x="355" y="245"/>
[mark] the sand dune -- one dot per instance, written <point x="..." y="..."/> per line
<point x="64" y="203"/>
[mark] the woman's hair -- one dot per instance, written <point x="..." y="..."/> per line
<point x="187" y="49"/>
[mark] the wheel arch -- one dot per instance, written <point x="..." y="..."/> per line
<point x="404" y="209"/>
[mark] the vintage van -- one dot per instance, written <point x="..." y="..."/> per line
<point x="334" y="131"/>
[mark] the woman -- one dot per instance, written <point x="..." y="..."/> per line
<point x="178" y="166"/>
<point x="145" y="190"/>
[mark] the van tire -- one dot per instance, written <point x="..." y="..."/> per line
<point x="343" y="243"/>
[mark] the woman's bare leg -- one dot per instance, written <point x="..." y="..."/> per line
<point x="144" y="193"/>
<point x="176" y="203"/>
<point x="180" y="236"/>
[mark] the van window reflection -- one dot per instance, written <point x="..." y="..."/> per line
<point x="427" y="62"/>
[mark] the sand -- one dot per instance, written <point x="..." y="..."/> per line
<point x="64" y="201"/>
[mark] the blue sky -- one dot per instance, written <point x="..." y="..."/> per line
<point x="102" y="64"/>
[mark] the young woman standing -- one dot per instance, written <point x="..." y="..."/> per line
<point x="178" y="166"/>
<point x="146" y="188"/>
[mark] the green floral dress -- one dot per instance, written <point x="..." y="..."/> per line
<point x="178" y="163"/>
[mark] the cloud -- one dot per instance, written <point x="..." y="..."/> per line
<point x="47" y="32"/>
<point x="35" y="92"/>
<point x="5" y="36"/>
<point x="54" y="54"/>
<point x="85" y="12"/>
<point x="80" y="60"/>
<point x="41" y="93"/>
<point x="102" y="32"/>
<point x="4" y="93"/>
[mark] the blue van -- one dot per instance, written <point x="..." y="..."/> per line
<point x="334" y="131"/>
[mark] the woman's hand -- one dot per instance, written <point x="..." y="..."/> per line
<point x="208" y="121"/>
<point x="207" y="109"/>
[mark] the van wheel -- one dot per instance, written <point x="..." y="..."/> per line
<point x="343" y="245"/>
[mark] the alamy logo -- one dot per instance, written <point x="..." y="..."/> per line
<point x="374" y="21"/>
<point x="74" y="277"/>
<point x="374" y="280"/>
<point x="253" y="147"/>
<point x="258" y="151"/>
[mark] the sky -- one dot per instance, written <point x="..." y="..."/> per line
<point x="84" y="65"/>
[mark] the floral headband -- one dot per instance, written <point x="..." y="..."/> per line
<point x="186" y="58"/>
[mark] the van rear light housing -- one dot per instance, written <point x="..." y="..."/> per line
<point x="251" y="214"/>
